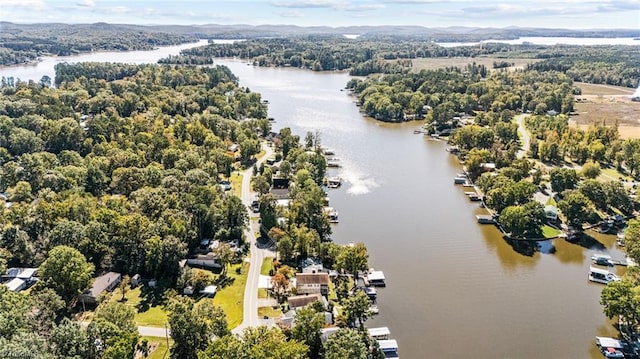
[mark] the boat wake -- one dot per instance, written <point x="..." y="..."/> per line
<point x="359" y="184"/>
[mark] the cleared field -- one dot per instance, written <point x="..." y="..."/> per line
<point x="440" y="62"/>
<point x="592" y="89"/>
<point x="607" y="104"/>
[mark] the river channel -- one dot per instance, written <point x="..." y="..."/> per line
<point x="455" y="289"/>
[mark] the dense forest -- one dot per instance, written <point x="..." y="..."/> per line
<point x="21" y="44"/>
<point x="442" y="96"/>
<point x="610" y="65"/>
<point x="119" y="169"/>
<point x="613" y="65"/>
<point x="114" y="163"/>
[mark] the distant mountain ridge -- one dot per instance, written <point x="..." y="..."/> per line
<point x="454" y="33"/>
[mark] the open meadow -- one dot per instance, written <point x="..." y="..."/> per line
<point x="608" y="104"/>
<point x="441" y="62"/>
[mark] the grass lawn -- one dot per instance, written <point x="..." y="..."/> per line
<point x="155" y="316"/>
<point x="267" y="266"/>
<point x="231" y="298"/>
<point x="551" y="202"/>
<point x="161" y="350"/>
<point x="263" y="293"/>
<point x="269" y="312"/>
<point x="332" y="291"/>
<point x="236" y="183"/>
<point x="549" y="232"/>
<point x="611" y="174"/>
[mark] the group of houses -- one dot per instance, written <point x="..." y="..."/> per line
<point x="312" y="285"/>
<point x="18" y="279"/>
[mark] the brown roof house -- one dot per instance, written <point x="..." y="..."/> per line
<point x="300" y="301"/>
<point x="104" y="283"/>
<point x="310" y="283"/>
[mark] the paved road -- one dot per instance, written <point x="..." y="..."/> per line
<point x="526" y="137"/>
<point x="159" y="332"/>
<point x="250" y="310"/>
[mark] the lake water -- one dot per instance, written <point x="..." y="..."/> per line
<point x="44" y="67"/>
<point x="455" y="289"/>
<point x="554" y="41"/>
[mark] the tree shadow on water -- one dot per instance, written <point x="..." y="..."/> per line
<point x="588" y="242"/>
<point x="524" y="247"/>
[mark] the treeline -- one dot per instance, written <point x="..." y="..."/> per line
<point x="610" y="65"/>
<point x="441" y="96"/>
<point x="120" y="169"/>
<point x="21" y="44"/>
<point x="329" y="52"/>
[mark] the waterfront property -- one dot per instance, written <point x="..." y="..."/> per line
<point x="310" y="283"/>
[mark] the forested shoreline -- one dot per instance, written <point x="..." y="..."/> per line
<point x="20" y="44"/>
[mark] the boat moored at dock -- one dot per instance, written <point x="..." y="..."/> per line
<point x="331" y="213"/>
<point x="602" y="276"/>
<point x="376" y="278"/>
<point x="334" y="182"/>
<point x="602" y="259"/>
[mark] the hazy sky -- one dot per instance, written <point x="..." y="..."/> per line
<point x="430" y="13"/>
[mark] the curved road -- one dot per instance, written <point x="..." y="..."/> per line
<point x="256" y="255"/>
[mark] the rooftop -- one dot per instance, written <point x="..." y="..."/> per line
<point x="312" y="278"/>
<point x="101" y="283"/>
<point x="299" y="301"/>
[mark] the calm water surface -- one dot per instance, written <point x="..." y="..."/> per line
<point x="455" y="289"/>
<point x="46" y="65"/>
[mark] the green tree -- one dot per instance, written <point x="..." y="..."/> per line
<point x="594" y="190"/>
<point x="632" y="239"/>
<point x="353" y="258"/>
<point x="563" y="178"/>
<point x="193" y="325"/>
<point x="224" y="254"/>
<point x="345" y="343"/>
<point x="356" y="309"/>
<point x="590" y="170"/>
<point x="255" y="342"/>
<point x="523" y="221"/>
<point x="622" y="299"/>
<point x="307" y="330"/>
<point x="69" y="340"/>
<point x="67" y="272"/>
<point x="576" y="207"/>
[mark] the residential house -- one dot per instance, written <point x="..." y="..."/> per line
<point x="104" y="283"/>
<point x="208" y="261"/>
<point x="310" y="283"/>
<point x="300" y="301"/>
<point x="313" y="268"/>
<point x="17" y="279"/>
